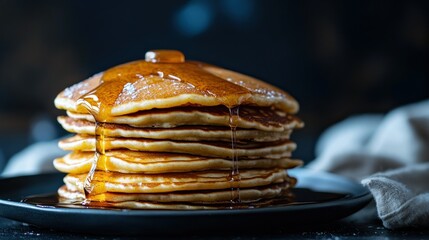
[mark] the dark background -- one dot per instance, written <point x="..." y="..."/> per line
<point x="338" y="58"/>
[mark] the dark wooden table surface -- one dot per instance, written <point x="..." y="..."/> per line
<point x="363" y="224"/>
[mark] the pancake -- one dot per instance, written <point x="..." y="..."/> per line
<point x="103" y="182"/>
<point x="142" y="85"/>
<point x="149" y="163"/>
<point x="185" y="133"/>
<point x="202" y="148"/>
<point x="266" y="119"/>
<point x="206" y="197"/>
<point x="217" y="199"/>
<point x="165" y="133"/>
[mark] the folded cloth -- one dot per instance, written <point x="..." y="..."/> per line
<point x="402" y="196"/>
<point x="34" y="159"/>
<point x="361" y="146"/>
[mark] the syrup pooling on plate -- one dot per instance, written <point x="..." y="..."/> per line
<point x="141" y="79"/>
<point x="297" y="196"/>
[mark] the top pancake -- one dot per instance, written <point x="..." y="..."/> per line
<point x="143" y="85"/>
<point x="262" y="118"/>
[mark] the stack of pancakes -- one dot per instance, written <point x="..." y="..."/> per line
<point x="164" y="133"/>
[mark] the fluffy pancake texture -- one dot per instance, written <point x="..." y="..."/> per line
<point x="173" y="182"/>
<point x="164" y="133"/>
<point x="156" y="162"/>
<point x="203" y="148"/>
<point x="186" y="133"/>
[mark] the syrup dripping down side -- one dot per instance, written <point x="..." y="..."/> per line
<point x="234" y="177"/>
<point x="91" y="102"/>
<point x="99" y="158"/>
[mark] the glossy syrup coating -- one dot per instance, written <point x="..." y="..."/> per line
<point x="164" y="74"/>
<point x="164" y="80"/>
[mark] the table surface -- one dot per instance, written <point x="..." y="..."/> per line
<point x="363" y="224"/>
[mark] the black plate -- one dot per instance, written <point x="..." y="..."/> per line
<point x="13" y="190"/>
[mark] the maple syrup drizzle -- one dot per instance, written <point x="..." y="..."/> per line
<point x="118" y="82"/>
<point x="91" y="101"/>
<point x="234" y="176"/>
<point x="99" y="159"/>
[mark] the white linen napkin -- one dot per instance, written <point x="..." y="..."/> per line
<point x="34" y="159"/>
<point x="361" y="146"/>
